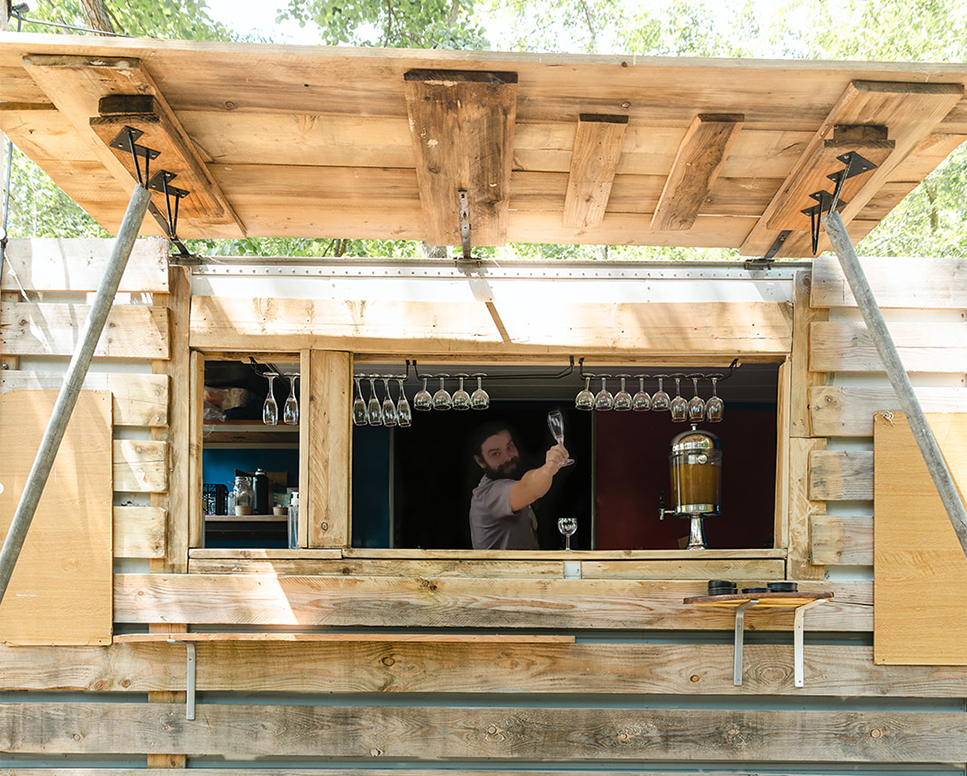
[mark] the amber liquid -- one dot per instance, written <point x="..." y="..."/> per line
<point x="697" y="487"/>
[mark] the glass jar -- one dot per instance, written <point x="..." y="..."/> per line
<point x="244" y="495"/>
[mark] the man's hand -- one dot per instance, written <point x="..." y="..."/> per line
<point x="555" y="457"/>
<point x="537" y="482"/>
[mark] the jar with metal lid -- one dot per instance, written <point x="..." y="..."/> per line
<point x="244" y="495"/>
<point x="695" y="463"/>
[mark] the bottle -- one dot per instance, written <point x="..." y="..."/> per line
<point x="244" y="495"/>
<point x="263" y="502"/>
<point x="294" y="521"/>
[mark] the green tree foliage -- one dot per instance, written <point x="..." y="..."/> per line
<point x="444" y="24"/>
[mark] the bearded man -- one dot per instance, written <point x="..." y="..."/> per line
<point x="501" y="517"/>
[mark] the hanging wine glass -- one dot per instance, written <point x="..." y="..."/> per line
<point x="389" y="406"/>
<point x="604" y="400"/>
<point x="360" y="415"/>
<point x="622" y="399"/>
<point x="461" y="399"/>
<point x="714" y="407"/>
<point x="290" y="412"/>
<point x="555" y="422"/>
<point x="441" y="399"/>
<point x="641" y="401"/>
<point x="403" y="411"/>
<point x="678" y="405"/>
<point x="374" y="409"/>
<point x="270" y="410"/>
<point x="422" y="400"/>
<point x="696" y="405"/>
<point x="567" y="526"/>
<point x="585" y="399"/>
<point x="661" y="399"/>
<point x="479" y="399"/>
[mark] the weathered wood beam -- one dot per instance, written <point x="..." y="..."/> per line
<point x="462" y="124"/>
<point x="140" y="466"/>
<point x="909" y="111"/>
<point x="697" y="165"/>
<point x="76" y="84"/>
<point x="598" y="141"/>
<point x="619" y="668"/>
<point x="222" y="323"/>
<point x="847" y="411"/>
<point x="446" y="603"/>
<point x="846" y="346"/>
<point x="490" y="733"/>
<point x="841" y="475"/>
<point x="842" y="541"/>
<point x="139" y="532"/>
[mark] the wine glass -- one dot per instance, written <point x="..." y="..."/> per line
<point x="661" y="400"/>
<point x="479" y="399"/>
<point x="714" y="407"/>
<point x="555" y="422"/>
<point x="641" y="401"/>
<point x="422" y="400"/>
<point x="403" y="411"/>
<point x="461" y="399"/>
<point x="374" y="409"/>
<point x="389" y="407"/>
<point x="622" y="399"/>
<point x="585" y="399"/>
<point x="696" y="405"/>
<point x="360" y="416"/>
<point x="678" y="406"/>
<point x="441" y="399"/>
<point x="290" y="413"/>
<point x="270" y="410"/>
<point x="603" y="400"/>
<point x="567" y="526"/>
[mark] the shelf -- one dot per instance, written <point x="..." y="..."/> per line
<point x="246" y="518"/>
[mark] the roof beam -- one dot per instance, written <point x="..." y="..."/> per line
<point x="462" y="124"/>
<point x="76" y="85"/>
<point x="697" y="164"/>
<point x="597" y="147"/>
<point x="909" y="111"/>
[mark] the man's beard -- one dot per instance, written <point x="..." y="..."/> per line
<point x="509" y="470"/>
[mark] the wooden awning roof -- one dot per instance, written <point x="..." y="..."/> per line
<point x="370" y="143"/>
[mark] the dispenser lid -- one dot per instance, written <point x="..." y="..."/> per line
<point x="695" y="439"/>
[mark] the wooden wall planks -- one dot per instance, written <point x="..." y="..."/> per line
<point x="847" y="411"/>
<point x="926" y="346"/>
<point x="607" y="667"/>
<point x="841" y="541"/>
<point x="920" y="283"/>
<point x="490" y="733"/>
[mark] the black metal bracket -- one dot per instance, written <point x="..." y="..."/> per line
<point x="463" y="201"/>
<point x="160" y="183"/>
<point x="127" y="140"/>
<point x="768" y="260"/>
<point x="855" y="165"/>
<point x="826" y="203"/>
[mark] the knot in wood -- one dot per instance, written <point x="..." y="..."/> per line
<point x="376" y="752"/>
<point x="324" y="526"/>
<point x="388" y="661"/>
<point x="694" y="678"/>
<point x="492" y="730"/>
<point x="733" y="732"/>
<point x="876" y="733"/>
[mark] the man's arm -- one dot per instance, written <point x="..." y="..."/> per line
<point x="537" y="482"/>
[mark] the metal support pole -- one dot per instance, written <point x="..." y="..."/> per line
<point x="909" y="403"/>
<point x="71" y="387"/>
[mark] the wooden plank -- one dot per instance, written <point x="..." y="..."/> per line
<point x="758" y="553"/>
<point x="53" y="264"/>
<point x="445" y="603"/>
<point x="222" y="323"/>
<point x="139" y="532"/>
<point x="697" y="164"/>
<point x="928" y="346"/>
<point x="138" y="400"/>
<point x="51" y="329"/>
<point x="349" y="638"/>
<point x="921" y="282"/>
<point x="76" y="84"/>
<point x="462" y="123"/>
<point x="140" y="466"/>
<point x="597" y="148"/>
<point x="803" y="377"/>
<point x="803" y="506"/>
<point x="685" y="569"/>
<point x="337" y="772"/>
<point x="909" y="111"/>
<point x="324" y="499"/>
<point x="376" y="568"/>
<point x="191" y="444"/>
<point x="487" y="733"/>
<point x="919" y="565"/>
<point x="618" y="668"/>
<point x="841" y="475"/>
<point x="841" y="541"/>
<point x="847" y="411"/>
<point x="60" y="591"/>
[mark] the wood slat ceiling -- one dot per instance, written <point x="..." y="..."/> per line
<point x="333" y="142"/>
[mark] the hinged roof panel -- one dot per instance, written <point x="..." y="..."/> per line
<point x="307" y="141"/>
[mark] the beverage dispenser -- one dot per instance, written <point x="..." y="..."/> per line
<point x="695" y="467"/>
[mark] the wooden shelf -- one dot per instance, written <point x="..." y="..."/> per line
<point x="246" y="518"/>
<point x="775" y="600"/>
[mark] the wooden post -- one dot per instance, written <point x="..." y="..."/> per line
<point x="932" y="456"/>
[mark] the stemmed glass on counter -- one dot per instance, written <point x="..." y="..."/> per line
<point x="567" y="526"/>
<point x="555" y="422"/>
